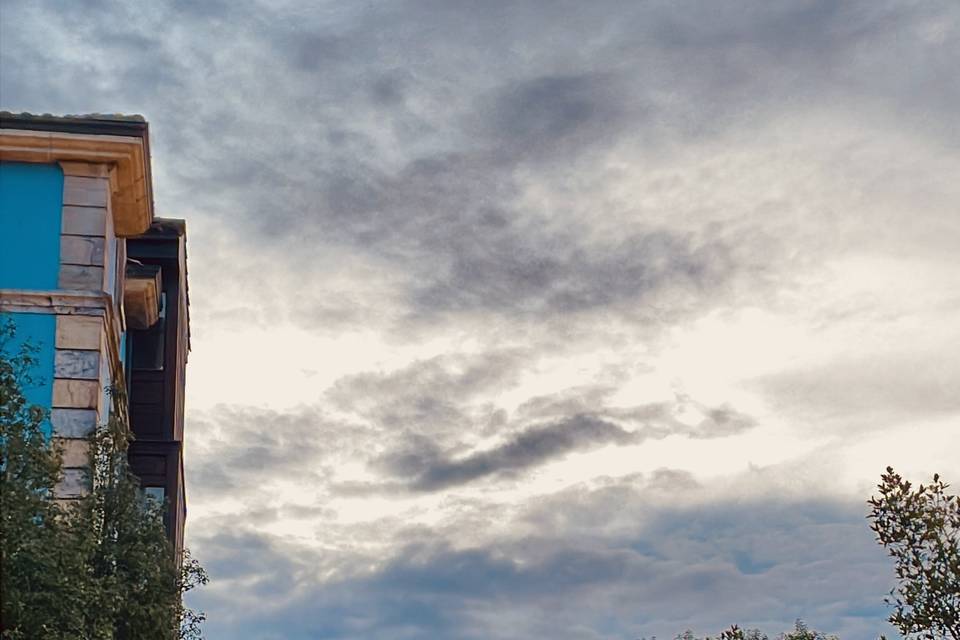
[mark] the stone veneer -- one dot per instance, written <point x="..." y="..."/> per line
<point x="82" y="364"/>
<point x="77" y="405"/>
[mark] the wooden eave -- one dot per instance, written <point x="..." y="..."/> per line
<point x="167" y="239"/>
<point x="131" y="192"/>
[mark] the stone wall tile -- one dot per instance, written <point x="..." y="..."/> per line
<point x="84" y="221"/>
<point x="73" y="423"/>
<point x="75" y="452"/>
<point x="76" y="394"/>
<point x="70" y="363"/>
<point x="74" y="276"/>
<point x="75" y="483"/>
<point x="86" y="192"/>
<point x="79" y="332"/>
<point x="85" y="250"/>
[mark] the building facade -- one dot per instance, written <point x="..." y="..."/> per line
<point x="90" y="276"/>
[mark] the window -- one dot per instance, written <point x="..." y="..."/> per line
<point x="157" y="494"/>
<point x="148" y="344"/>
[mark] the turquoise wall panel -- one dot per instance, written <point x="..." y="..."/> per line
<point x="38" y="330"/>
<point x="31" y="199"/>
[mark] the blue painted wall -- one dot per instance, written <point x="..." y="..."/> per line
<point x="31" y="199"/>
<point x="38" y="330"/>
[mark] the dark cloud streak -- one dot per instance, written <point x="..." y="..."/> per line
<point x="432" y="472"/>
<point x="429" y="468"/>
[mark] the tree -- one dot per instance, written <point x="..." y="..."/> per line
<point x="37" y="592"/>
<point x="733" y="633"/>
<point x="138" y="582"/>
<point x="800" y="632"/>
<point x="101" y="568"/>
<point x="920" y="528"/>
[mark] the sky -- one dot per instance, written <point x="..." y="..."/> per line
<point x="568" y="320"/>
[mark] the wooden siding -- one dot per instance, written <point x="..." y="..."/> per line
<point x="157" y="395"/>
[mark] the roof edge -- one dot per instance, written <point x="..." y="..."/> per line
<point x="92" y="124"/>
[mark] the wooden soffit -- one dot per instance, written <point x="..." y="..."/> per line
<point x="131" y="198"/>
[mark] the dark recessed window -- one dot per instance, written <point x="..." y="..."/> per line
<point x="148" y="343"/>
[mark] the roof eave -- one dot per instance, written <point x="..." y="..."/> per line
<point x="122" y="144"/>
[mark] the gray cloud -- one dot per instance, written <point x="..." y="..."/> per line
<point x="757" y="562"/>
<point x="432" y="414"/>
<point x="440" y="397"/>
<point x="557" y="276"/>
<point x="320" y="128"/>
<point x="236" y="449"/>
<point x="870" y="391"/>
<point x="426" y="428"/>
<point x="430" y="468"/>
<point x="431" y="471"/>
<point x="532" y="180"/>
<point x="540" y="117"/>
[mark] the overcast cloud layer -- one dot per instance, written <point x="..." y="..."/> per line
<point x="568" y="320"/>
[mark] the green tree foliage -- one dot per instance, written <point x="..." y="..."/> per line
<point x="100" y="568"/>
<point x="32" y="562"/>
<point x="920" y="528"/>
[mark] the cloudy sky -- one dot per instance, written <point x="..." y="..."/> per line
<point x="567" y="320"/>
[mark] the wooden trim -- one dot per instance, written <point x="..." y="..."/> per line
<point x="131" y="191"/>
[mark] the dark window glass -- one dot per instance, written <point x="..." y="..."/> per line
<point x="148" y="343"/>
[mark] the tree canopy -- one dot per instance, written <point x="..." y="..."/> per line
<point x="920" y="529"/>
<point x="99" y="567"/>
